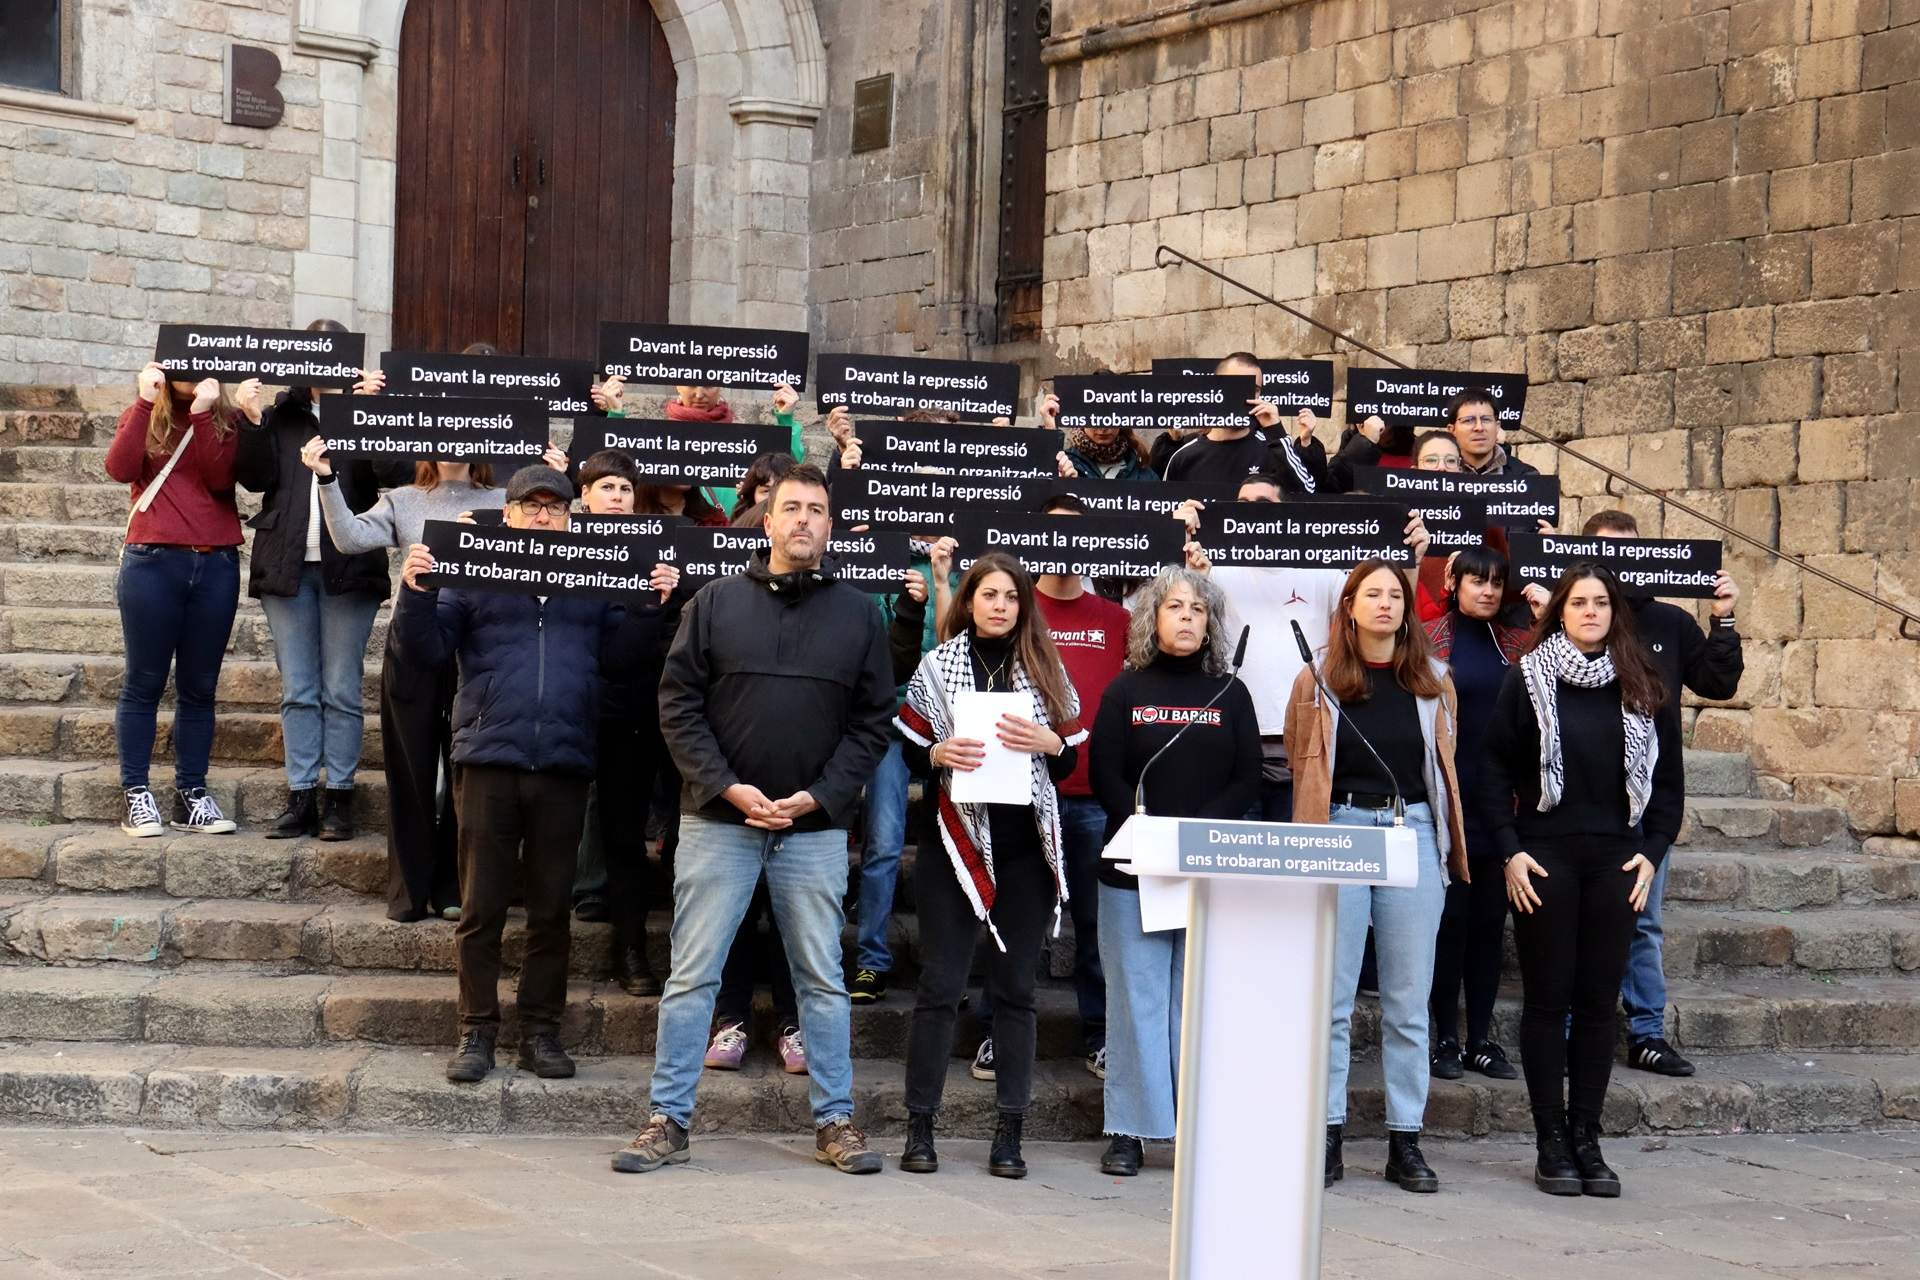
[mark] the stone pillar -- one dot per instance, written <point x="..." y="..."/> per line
<point x="773" y="148"/>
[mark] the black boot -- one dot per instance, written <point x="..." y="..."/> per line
<point x="1336" y="1164"/>
<point x="336" y="814"/>
<point x="474" y="1058"/>
<point x="1583" y="1138"/>
<point x="633" y="973"/>
<point x="1407" y="1166"/>
<point x="919" y="1157"/>
<point x="541" y="1054"/>
<point x="1123" y="1157"/>
<point x="1554" y="1172"/>
<point x="1004" y="1160"/>
<point x="300" y="818"/>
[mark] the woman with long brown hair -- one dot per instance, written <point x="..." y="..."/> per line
<point x="179" y="584"/>
<point x="1582" y="790"/>
<point x="1387" y="690"/>
<point x="1002" y="863"/>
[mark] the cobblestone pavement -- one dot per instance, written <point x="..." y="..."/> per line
<point x="221" y="1206"/>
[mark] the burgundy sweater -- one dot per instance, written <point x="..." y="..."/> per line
<point x="195" y="506"/>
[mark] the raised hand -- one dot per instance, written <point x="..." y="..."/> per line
<point x="152" y="379"/>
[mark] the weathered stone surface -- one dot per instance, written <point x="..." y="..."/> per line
<point x="71" y="1004"/>
<point x="223" y="929"/>
<point x="247" y="1009"/>
<point x="107" y="861"/>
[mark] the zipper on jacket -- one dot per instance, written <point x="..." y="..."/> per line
<point x="540" y="680"/>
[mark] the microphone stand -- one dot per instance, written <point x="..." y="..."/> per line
<point x="1306" y="655"/>
<point x="1140" y="787"/>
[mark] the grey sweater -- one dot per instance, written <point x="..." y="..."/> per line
<point x="399" y="518"/>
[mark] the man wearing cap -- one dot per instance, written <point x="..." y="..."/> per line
<point x="524" y="719"/>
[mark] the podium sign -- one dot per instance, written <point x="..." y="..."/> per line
<point x="1258" y="902"/>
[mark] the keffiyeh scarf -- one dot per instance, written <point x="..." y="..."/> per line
<point x="1554" y="660"/>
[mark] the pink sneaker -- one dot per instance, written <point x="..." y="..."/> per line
<point x="793" y="1052"/>
<point x="729" y="1047"/>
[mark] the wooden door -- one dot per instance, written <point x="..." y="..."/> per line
<point x="535" y="173"/>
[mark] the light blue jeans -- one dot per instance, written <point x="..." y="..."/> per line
<point x="1145" y="977"/>
<point x="320" y="646"/>
<point x="1643" y="992"/>
<point x="880" y="858"/>
<point x="715" y="871"/>
<point x="1405" y="923"/>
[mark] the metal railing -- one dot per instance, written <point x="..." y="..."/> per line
<point x="1909" y="622"/>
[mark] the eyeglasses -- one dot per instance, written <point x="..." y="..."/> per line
<point x="1476" y="420"/>
<point x="1440" y="462"/>
<point x="531" y="507"/>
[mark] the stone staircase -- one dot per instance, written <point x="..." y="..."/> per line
<point x="241" y="982"/>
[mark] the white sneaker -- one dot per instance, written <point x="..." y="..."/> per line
<point x="196" y="810"/>
<point x="1097" y="1063"/>
<point x="140" y="814"/>
<point x="982" y="1068"/>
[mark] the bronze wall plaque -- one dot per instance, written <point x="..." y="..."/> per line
<point x="252" y="98"/>
<point x="872" y="114"/>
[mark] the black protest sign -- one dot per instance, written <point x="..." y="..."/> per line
<point x="961" y="451"/>
<point x="282" y="357"/>
<point x="926" y="503"/>
<point x="888" y="386"/>
<point x="1305" y="535"/>
<point x="1089" y="546"/>
<point x="875" y="560"/>
<point x="1516" y="502"/>
<point x="1155" y="402"/>
<point x="1651" y="566"/>
<point x="566" y="385"/>
<point x="653" y="536"/>
<point x="1141" y="498"/>
<point x="1418" y="398"/>
<point x="1293" y="385"/>
<point x="691" y="355"/>
<point x="678" y="452"/>
<point x="447" y="428"/>
<point x="529" y="562"/>
<point x="1455" y="522"/>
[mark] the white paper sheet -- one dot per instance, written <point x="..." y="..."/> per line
<point x="1005" y="776"/>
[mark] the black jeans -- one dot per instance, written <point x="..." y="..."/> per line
<point x="1022" y="911"/>
<point x="630" y="755"/>
<point x="1468" y="950"/>
<point x="416" y="735"/>
<point x="516" y="828"/>
<point x="1573" y="952"/>
<point x="750" y="953"/>
<point x="1082" y="831"/>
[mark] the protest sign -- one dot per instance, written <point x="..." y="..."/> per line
<point x="1090" y="546"/>
<point x="1418" y="398"/>
<point x="1293" y="385"/>
<point x="1133" y="498"/>
<point x="280" y="357"/>
<point x="690" y="355"/>
<point x="926" y="503"/>
<point x="947" y="449"/>
<point x="445" y="428"/>
<point x="1150" y="402"/>
<point x="1517" y="502"/>
<point x="652" y="535"/>
<point x="873" y="561"/>
<point x="566" y="385"/>
<point x="888" y="386"/>
<point x="1653" y="566"/>
<point x="529" y="562"/>
<point x="689" y="453"/>
<point x="1305" y="535"/>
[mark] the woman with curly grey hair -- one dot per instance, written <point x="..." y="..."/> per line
<point x="1178" y="659"/>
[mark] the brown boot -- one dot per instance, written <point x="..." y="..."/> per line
<point x="844" y="1147"/>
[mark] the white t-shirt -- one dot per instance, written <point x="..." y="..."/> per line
<point x="313" y="521"/>
<point x="1268" y="601"/>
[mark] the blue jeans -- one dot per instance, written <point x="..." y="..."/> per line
<point x="1643" y="992"/>
<point x="1405" y="923"/>
<point x="1148" y="971"/>
<point x="176" y="612"/>
<point x="715" y="871"/>
<point x="880" y="858"/>
<point x="320" y="646"/>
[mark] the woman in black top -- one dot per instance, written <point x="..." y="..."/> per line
<point x="997" y="864"/>
<point x="1582" y="790"/>
<point x="1177" y="662"/>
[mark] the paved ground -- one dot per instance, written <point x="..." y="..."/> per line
<point x="222" y="1206"/>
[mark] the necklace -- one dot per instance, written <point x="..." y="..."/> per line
<point x="993" y="673"/>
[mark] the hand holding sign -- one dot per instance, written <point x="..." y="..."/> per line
<point x="313" y="456"/>
<point x="372" y="383"/>
<point x="152" y="378"/>
<point x="246" y="398"/>
<point x="607" y="395"/>
<point x="419" y="560"/>
<point x="784" y="398"/>
<point x="206" y="394"/>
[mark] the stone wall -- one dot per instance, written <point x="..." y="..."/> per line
<point x="1690" y="223"/>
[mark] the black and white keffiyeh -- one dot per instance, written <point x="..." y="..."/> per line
<point x="1556" y="659"/>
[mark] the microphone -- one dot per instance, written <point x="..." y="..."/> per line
<point x="1140" y="786"/>
<point x="1306" y="656"/>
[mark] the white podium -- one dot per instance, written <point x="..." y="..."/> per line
<point x="1258" y="902"/>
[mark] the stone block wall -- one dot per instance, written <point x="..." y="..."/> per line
<point x="1694" y="224"/>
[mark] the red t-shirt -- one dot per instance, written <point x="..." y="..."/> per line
<point x="1091" y="635"/>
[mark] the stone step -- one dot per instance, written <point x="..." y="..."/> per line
<point x="95" y="629"/>
<point x="388" y="1089"/>
<point x="53" y="502"/>
<point x="1749" y="822"/>
<point x="84" y="464"/>
<point x="95" y="858"/>
<point x="70" y="584"/>
<point x="1836" y="940"/>
<point x="81" y="791"/>
<point x="48" y="423"/>
<point x="86" y="733"/>
<point x="1719" y="773"/>
<point x="1789" y="881"/>
<point x="94" y="679"/>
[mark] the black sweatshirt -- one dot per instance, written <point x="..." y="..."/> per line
<point x="1593" y="801"/>
<point x="1202" y="460"/>
<point x="1710" y="664"/>
<point x="1389" y="716"/>
<point x="1213" y="773"/>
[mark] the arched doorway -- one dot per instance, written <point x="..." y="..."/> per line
<point x="534" y="173"/>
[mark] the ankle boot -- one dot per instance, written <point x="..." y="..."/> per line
<point x="1583" y="1139"/>
<point x="336" y="814"/>
<point x="1336" y="1164"/>
<point x="1406" y="1164"/>
<point x="1554" y="1171"/>
<point x="1124" y="1156"/>
<point x="1004" y="1160"/>
<point x="919" y="1156"/>
<point x="301" y="817"/>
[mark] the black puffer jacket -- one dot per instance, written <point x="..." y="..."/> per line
<point x="268" y="462"/>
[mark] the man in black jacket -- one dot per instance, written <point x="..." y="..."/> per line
<point x="1475" y="426"/>
<point x="775" y="705"/>
<point x="524" y="721"/>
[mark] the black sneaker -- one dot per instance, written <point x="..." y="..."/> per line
<point x="1123" y="1157"/>
<point x="868" y="986"/>
<point x="1656" y="1055"/>
<point x="474" y="1058"/>
<point x="1490" y="1060"/>
<point x="541" y="1054"/>
<point x="140" y="813"/>
<point x="982" y="1068"/>
<point x="1444" y="1062"/>
<point x="196" y="810"/>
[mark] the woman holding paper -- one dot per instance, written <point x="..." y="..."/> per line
<point x="1378" y="689"/>
<point x="992" y="721"/>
